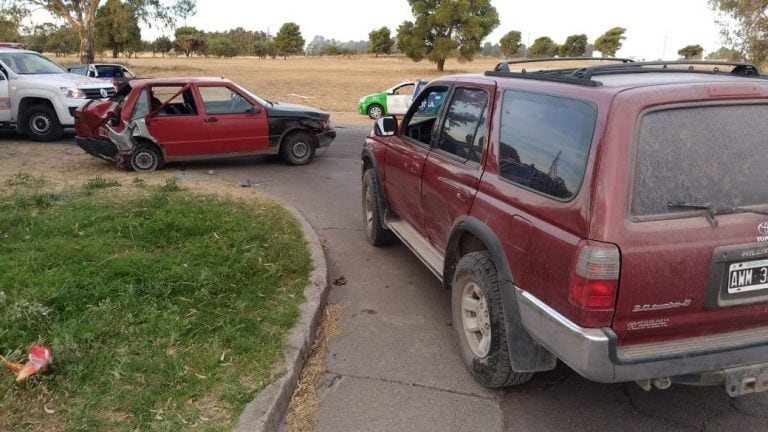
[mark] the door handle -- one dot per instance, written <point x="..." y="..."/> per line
<point x="211" y="120"/>
<point x="461" y="197"/>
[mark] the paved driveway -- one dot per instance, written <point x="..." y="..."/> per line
<point x="396" y="367"/>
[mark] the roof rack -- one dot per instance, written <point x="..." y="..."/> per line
<point x="583" y="75"/>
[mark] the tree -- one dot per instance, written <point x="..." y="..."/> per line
<point x="116" y="27"/>
<point x="446" y="28"/>
<point x="610" y="42"/>
<point x="288" y="40"/>
<point x="744" y="26"/>
<point x="727" y="54"/>
<point x="491" y="50"/>
<point x="220" y="46"/>
<point x="543" y="47"/>
<point x="262" y="45"/>
<point x="10" y="21"/>
<point x="510" y="43"/>
<point x="189" y="40"/>
<point x="80" y="16"/>
<point x="162" y="45"/>
<point x="381" y="41"/>
<point x="691" y="51"/>
<point x="574" y="46"/>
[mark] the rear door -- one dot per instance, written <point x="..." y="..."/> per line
<point x="688" y="271"/>
<point x="233" y="123"/>
<point x="452" y="170"/>
<point x="399" y="99"/>
<point x="407" y="153"/>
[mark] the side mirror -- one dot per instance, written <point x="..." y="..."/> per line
<point x="252" y="110"/>
<point x="385" y="126"/>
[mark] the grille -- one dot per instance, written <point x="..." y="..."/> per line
<point x="96" y="93"/>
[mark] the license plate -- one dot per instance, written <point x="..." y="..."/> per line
<point x="103" y="132"/>
<point x="748" y="276"/>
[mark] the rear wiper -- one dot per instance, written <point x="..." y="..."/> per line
<point x="713" y="210"/>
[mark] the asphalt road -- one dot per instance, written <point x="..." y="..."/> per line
<point x="396" y="365"/>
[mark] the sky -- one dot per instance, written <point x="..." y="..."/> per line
<point x="655" y="28"/>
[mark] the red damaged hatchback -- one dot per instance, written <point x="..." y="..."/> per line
<point x="153" y="121"/>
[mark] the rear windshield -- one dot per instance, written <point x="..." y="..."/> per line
<point x="712" y="154"/>
<point x="107" y="71"/>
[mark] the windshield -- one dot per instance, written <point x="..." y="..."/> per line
<point x="27" y="63"/>
<point x="711" y="154"/>
<point x="262" y="102"/>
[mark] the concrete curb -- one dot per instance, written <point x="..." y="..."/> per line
<point x="268" y="409"/>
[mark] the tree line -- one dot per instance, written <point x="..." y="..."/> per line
<point x="439" y="30"/>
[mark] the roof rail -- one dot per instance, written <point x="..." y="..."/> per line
<point x="504" y="66"/>
<point x="583" y="75"/>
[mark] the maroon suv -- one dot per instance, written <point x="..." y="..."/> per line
<point x="611" y="216"/>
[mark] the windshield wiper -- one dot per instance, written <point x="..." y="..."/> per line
<point x="713" y="210"/>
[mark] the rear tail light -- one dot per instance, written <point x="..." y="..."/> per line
<point x="595" y="282"/>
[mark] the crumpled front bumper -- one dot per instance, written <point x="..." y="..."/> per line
<point x="324" y="138"/>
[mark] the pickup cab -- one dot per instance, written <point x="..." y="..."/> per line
<point x="612" y="216"/>
<point x="38" y="97"/>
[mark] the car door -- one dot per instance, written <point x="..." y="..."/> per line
<point x="5" y="99"/>
<point x="181" y="132"/>
<point x="399" y="99"/>
<point x="453" y="168"/>
<point x="406" y="154"/>
<point x="234" y="123"/>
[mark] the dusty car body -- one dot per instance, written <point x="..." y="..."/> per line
<point x="153" y="121"/>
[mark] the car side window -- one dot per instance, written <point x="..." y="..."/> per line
<point x="172" y="100"/>
<point x="405" y="89"/>
<point x="463" y="132"/>
<point x="222" y="100"/>
<point x="421" y="122"/>
<point x="141" y="108"/>
<point x="544" y="142"/>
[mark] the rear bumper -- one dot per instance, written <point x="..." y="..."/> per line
<point x="593" y="353"/>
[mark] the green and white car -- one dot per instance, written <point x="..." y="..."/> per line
<point x="394" y="100"/>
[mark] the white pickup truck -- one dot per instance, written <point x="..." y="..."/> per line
<point x="38" y="97"/>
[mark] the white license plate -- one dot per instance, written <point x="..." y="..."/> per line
<point x="748" y="276"/>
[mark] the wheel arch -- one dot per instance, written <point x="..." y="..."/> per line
<point x="370" y="162"/>
<point x="470" y="235"/>
<point x="28" y="102"/>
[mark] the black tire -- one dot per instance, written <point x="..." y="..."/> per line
<point x="40" y="123"/>
<point x="375" y="232"/>
<point x="146" y="158"/>
<point x="375" y="111"/>
<point x="478" y="318"/>
<point x="297" y="149"/>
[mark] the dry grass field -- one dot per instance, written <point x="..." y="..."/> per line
<point x="333" y="84"/>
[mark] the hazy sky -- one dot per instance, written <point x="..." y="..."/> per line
<point x="655" y="28"/>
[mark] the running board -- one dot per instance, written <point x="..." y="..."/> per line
<point x="418" y="245"/>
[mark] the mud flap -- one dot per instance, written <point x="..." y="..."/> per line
<point x="525" y="354"/>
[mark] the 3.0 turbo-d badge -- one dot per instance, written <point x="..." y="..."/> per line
<point x="662" y="306"/>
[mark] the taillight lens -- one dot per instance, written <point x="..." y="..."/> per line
<point x="595" y="281"/>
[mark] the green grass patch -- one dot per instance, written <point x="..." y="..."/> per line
<point x="165" y="310"/>
<point x="100" y="183"/>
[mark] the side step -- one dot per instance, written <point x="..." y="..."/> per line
<point x="419" y="245"/>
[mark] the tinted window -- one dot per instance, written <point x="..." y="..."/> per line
<point x="713" y="154"/>
<point x="421" y="123"/>
<point x="109" y="71"/>
<point x="463" y="132"/>
<point x="544" y="142"/>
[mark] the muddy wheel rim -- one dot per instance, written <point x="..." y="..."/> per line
<point x="40" y="124"/>
<point x="144" y="160"/>
<point x="300" y="149"/>
<point x="475" y="319"/>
